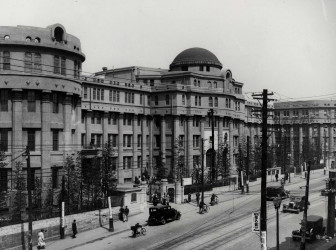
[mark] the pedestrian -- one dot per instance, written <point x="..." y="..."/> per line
<point x="126" y="213"/>
<point x="276" y="177"/>
<point x="74" y="229"/>
<point x="40" y="240"/>
<point x="189" y="197"/>
<point x="122" y="213"/>
<point x="167" y="199"/>
<point x="197" y="198"/>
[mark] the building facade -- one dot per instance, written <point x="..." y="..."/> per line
<point x="147" y="114"/>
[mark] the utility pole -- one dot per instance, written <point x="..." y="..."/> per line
<point x="30" y="219"/>
<point x="263" y="208"/>
<point x="202" y="164"/>
<point x="331" y="204"/>
<point x="213" y="170"/>
<point x="325" y="151"/>
<point x="247" y="163"/>
<point x="304" y="221"/>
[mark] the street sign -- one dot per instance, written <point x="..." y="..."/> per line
<point x="255" y="222"/>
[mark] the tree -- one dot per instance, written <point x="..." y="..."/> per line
<point x="37" y="194"/>
<point x="48" y="203"/>
<point x="19" y="201"/>
<point x="109" y="174"/>
<point x="197" y="171"/>
<point x="179" y="170"/>
<point x="223" y="161"/>
<point x="3" y="193"/>
<point x="160" y="167"/>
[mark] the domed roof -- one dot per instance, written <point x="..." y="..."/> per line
<point x="196" y="56"/>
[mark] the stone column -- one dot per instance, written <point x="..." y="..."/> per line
<point x="143" y="145"/>
<point x="150" y="170"/>
<point x="300" y="139"/>
<point x="135" y="148"/>
<point x="88" y="127"/>
<point x="17" y="144"/>
<point x="220" y="132"/>
<point x="163" y="138"/>
<point x="67" y="121"/>
<point x="322" y="137"/>
<point x="120" y="148"/>
<point x="105" y="127"/>
<point x="310" y="133"/>
<point x="291" y="141"/>
<point x="78" y="124"/>
<point x="189" y="142"/>
<point x="46" y="138"/>
<point x="233" y="171"/>
<point x="176" y="136"/>
<point x="331" y="144"/>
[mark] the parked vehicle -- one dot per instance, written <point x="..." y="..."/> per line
<point x="295" y="204"/>
<point x="273" y="192"/>
<point x="160" y="214"/>
<point x="314" y="227"/>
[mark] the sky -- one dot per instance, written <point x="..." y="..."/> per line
<point x="285" y="46"/>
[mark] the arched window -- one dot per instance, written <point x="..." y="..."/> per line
<point x="28" y="39"/>
<point x="167" y="99"/>
<point x="156" y="100"/>
<point x="216" y="101"/>
<point x="183" y="99"/>
<point x="209" y="84"/>
<point x="210" y="102"/>
<point x="37" y="40"/>
<point x="6" y="37"/>
<point x="215" y="84"/>
<point x="200" y="101"/>
<point x="195" y="82"/>
<point x="58" y="33"/>
<point x="199" y="83"/>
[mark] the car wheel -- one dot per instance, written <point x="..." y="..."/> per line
<point x="163" y="221"/>
<point x="178" y="217"/>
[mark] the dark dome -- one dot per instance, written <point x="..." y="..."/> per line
<point x="196" y="56"/>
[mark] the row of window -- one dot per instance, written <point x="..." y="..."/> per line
<point x="304" y="113"/>
<point x="197" y="83"/>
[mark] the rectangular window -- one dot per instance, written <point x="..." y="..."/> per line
<point x="99" y="140"/>
<point x="54" y="178"/>
<point x="83" y="140"/>
<point x="28" y="62"/>
<point x="76" y="69"/>
<point x="148" y="100"/>
<point x="31" y="101"/>
<point x="55" y="103"/>
<point x="56" y="65"/>
<point x="141" y="97"/>
<point x="63" y="66"/>
<point x="113" y="139"/>
<point x="114" y="163"/>
<point x="110" y="95"/>
<point x="127" y="141"/>
<point x="92" y="118"/>
<point x="98" y="94"/>
<point x="114" y="99"/>
<point x="196" y="141"/>
<point x="85" y="92"/>
<point x="37" y="62"/>
<point x="32" y="179"/>
<point x="6" y="60"/>
<point x="3" y="180"/>
<point x="126" y="94"/>
<point x="133" y="197"/>
<point x="139" y="161"/>
<point x="4" y="100"/>
<point x="94" y="94"/>
<point x="157" y="140"/>
<point x="55" y="140"/>
<point x="139" y="121"/>
<point x="235" y="141"/>
<point x="102" y="94"/>
<point x="99" y="118"/>
<point x="181" y="140"/>
<point x="4" y="139"/>
<point x="114" y="118"/>
<point x="196" y="100"/>
<point x="147" y="141"/>
<point x="118" y="96"/>
<point x="31" y="139"/>
<point x="127" y="162"/>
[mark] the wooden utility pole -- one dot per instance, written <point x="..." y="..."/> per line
<point x="30" y="219"/>
<point x="213" y="170"/>
<point x="247" y="163"/>
<point x="263" y="208"/>
<point x="331" y="204"/>
<point x="304" y="221"/>
<point x="202" y="164"/>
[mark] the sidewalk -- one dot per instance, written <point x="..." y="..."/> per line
<point x="120" y="227"/>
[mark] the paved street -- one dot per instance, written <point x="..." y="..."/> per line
<point x="226" y="226"/>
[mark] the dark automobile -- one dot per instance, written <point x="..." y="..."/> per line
<point x="296" y="204"/>
<point x="161" y="214"/>
<point x="314" y="228"/>
<point x="273" y="192"/>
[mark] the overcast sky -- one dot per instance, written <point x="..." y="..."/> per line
<point x="286" y="46"/>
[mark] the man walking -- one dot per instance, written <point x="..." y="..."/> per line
<point x="126" y="213"/>
<point x="74" y="229"/>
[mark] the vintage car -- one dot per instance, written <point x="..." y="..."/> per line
<point x="314" y="227"/>
<point x="273" y="192"/>
<point x="296" y="204"/>
<point x="160" y="214"/>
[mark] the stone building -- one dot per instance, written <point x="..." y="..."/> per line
<point x="40" y="98"/>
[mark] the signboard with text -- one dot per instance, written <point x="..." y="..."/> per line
<point x="255" y="222"/>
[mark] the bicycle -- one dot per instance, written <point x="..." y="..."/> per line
<point x="139" y="231"/>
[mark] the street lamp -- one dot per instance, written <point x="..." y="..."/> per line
<point x="277" y="203"/>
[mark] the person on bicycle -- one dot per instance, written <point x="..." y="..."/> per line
<point x="201" y="207"/>
<point x="136" y="228"/>
<point x="213" y="199"/>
